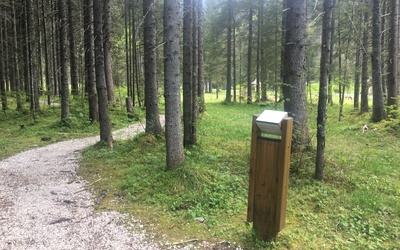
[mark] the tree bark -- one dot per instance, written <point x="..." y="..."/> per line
<point x="10" y="55"/>
<point x="364" y="68"/>
<point x="283" y="46"/>
<point x="72" y="50"/>
<point x="294" y="81"/>
<point x="64" y="90"/>
<point x="195" y="70"/>
<point x="258" y="61"/>
<point x="107" y="51"/>
<point x="54" y="48"/>
<point x="46" y="55"/>
<point x="323" y="89"/>
<point x="34" y="86"/>
<point x="173" y="132"/>
<point x="104" y="115"/>
<point x="249" y="57"/>
<point x="392" y="78"/>
<point x="202" y="104"/>
<point x="357" y="80"/>
<point x="25" y="51"/>
<point x="89" y="61"/>
<point x="153" y="125"/>
<point x="3" y="94"/>
<point x="378" y="108"/>
<point x="187" y="72"/>
<point x="229" y="54"/>
<point x="383" y="41"/>
<point x="330" y="85"/>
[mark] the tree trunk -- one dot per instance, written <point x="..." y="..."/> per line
<point x="202" y="104"/>
<point x="357" y="80"/>
<point x="127" y="51"/>
<point x="392" y="78"/>
<point x="195" y="70"/>
<point x="340" y="67"/>
<point x="153" y="125"/>
<point x="129" y="107"/>
<point x="263" y="73"/>
<point x="378" y="107"/>
<point x="38" y="34"/>
<point x="364" y="68"/>
<point x="89" y="61"/>
<point x="64" y="90"/>
<point x="132" y="46"/>
<point x="229" y="54"/>
<point x="46" y="55"/>
<point x="283" y="46"/>
<point x="25" y="52"/>
<point x="10" y="55"/>
<point x="107" y="51"/>
<point x="187" y="72"/>
<point x="258" y="63"/>
<point x="234" y="59"/>
<point x="72" y="50"/>
<point x="34" y="86"/>
<point x="134" y="60"/>
<point x="330" y="84"/>
<point x="249" y="57"/>
<point x="294" y="81"/>
<point x="323" y="89"/>
<point x="383" y="41"/>
<point x="104" y="115"/>
<point x="3" y="94"/>
<point x="173" y="131"/>
<point x="55" y="64"/>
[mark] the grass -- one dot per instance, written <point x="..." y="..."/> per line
<point x="356" y="207"/>
<point x="19" y="131"/>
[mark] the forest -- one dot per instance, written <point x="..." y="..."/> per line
<point x="192" y="73"/>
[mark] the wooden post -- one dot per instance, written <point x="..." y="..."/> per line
<point x="268" y="185"/>
<point x="255" y="133"/>
<point x="283" y="176"/>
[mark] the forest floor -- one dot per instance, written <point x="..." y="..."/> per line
<point x="45" y="205"/>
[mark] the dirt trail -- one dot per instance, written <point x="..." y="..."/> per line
<point x="44" y="205"/>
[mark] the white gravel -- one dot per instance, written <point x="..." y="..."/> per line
<point x="44" y="205"/>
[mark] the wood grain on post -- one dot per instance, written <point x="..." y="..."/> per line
<point x="265" y="191"/>
<point x="283" y="177"/>
<point x="255" y="133"/>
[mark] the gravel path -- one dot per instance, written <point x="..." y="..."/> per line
<point x="44" y="205"/>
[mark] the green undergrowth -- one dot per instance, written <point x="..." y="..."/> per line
<point x="19" y="131"/>
<point x="355" y="207"/>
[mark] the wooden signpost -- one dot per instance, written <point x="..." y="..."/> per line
<point x="269" y="172"/>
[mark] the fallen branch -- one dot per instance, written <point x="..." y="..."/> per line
<point x="62" y="219"/>
<point x="83" y="189"/>
<point x="108" y="222"/>
<point x="184" y="242"/>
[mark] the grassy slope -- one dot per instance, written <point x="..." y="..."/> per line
<point x="356" y="207"/>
